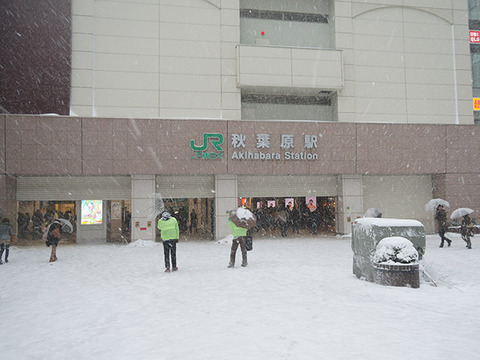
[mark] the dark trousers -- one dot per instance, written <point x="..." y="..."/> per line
<point x="170" y="250"/>
<point x="235" y="242"/>
<point x="443" y="238"/>
<point x="466" y="237"/>
<point x="6" y="248"/>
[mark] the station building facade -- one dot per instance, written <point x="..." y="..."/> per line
<point x="211" y="103"/>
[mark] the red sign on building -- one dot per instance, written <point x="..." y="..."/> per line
<point x="474" y="37"/>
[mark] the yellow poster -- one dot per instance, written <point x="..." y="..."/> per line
<point x="476" y="104"/>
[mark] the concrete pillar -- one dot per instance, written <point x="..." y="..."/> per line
<point x="350" y="201"/>
<point x="8" y="204"/>
<point x="143" y="188"/>
<point x="226" y="199"/>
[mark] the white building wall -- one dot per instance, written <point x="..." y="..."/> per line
<point x="397" y="196"/>
<point x="404" y="63"/>
<point x="350" y="201"/>
<point x="157" y="58"/>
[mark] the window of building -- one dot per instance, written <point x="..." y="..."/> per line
<point x="474" y="9"/>
<point x="285" y="23"/>
<point x="475" y="55"/>
<point x="289" y="107"/>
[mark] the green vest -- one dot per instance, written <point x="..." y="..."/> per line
<point x="169" y="229"/>
<point x="236" y="230"/>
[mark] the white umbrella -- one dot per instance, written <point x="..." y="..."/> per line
<point x="432" y="205"/>
<point x="373" y="213"/>
<point x="243" y="218"/>
<point x="66" y="225"/>
<point x="156" y="206"/>
<point x="461" y="212"/>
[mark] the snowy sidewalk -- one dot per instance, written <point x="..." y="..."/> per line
<point x="297" y="299"/>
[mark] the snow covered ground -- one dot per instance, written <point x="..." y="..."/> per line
<point x="297" y="299"/>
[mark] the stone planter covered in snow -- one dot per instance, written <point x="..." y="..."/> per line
<point x="368" y="232"/>
<point x="395" y="263"/>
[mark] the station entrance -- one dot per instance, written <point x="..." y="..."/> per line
<point x="292" y="216"/>
<point x="195" y="216"/>
<point x="306" y="205"/>
<point x="34" y="216"/>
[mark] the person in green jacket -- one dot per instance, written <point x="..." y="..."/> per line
<point x="239" y="238"/>
<point x="169" y="232"/>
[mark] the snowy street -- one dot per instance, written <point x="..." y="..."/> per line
<point x="297" y="299"/>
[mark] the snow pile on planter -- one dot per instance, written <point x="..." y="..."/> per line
<point x="395" y="250"/>
<point x="367" y="234"/>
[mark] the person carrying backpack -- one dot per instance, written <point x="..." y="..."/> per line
<point x="53" y="234"/>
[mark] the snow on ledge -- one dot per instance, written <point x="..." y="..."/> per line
<point x="384" y="222"/>
<point x="142" y="243"/>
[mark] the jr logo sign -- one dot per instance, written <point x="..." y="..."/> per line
<point x="200" y="151"/>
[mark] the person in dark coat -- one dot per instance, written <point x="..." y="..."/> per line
<point x="193" y="221"/>
<point x="467" y="226"/>
<point x="54" y="234"/>
<point x="37" y="220"/>
<point x="282" y="220"/>
<point x="441" y="217"/>
<point x="293" y="219"/>
<point x="6" y="236"/>
<point x="22" y="224"/>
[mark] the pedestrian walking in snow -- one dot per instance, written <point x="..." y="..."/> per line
<point x="467" y="226"/>
<point x="193" y="221"/>
<point x="282" y="220"/>
<point x="6" y="237"/>
<point x="169" y="233"/>
<point x="239" y="238"/>
<point x="54" y="234"/>
<point x="441" y="217"/>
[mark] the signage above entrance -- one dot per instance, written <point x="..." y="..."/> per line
<point x="262" y="150"/>
<point x="263" y="142"/>
<point x="200" y="151"/>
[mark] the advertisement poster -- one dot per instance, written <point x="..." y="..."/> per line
<point x="91" y="213"/>
<point x="311" y="203"/>
<point x="476" y="104"/>
<point x="289" y="203"/>
<point x="271" y="203"/>
<point x="116" y="210"/>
